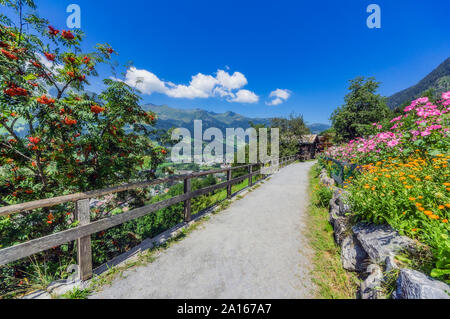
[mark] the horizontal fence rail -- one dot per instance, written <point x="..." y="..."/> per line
<point x="86" y="228"/>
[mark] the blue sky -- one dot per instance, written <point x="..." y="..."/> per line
<point x="309" y="48"/>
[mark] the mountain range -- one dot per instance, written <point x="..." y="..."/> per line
<point x="438" y="80"/>
<point x="172" y="117"/>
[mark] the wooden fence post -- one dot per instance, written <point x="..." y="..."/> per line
<point x="229" y="185"/>
<point x="250" y="178"/>
<point x="187" y="202"/>
<point x="84" y="250"/>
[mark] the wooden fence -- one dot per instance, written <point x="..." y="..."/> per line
<point x="85" y="228"/>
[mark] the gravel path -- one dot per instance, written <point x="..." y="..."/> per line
<point x="254" y="249"/>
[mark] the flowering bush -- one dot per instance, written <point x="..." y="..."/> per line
<point x="55" y="139"/>
<point x="404" y="176"/>
<point x="423" y="127"/>
<point x="412" y="196"/>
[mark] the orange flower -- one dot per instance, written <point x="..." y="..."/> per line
<point x="50" y="218"/>
<point x="45" y="100"/>
<point x="52" y="30"/>
<point x="421" y="209"/>
<point x="412" y="198"/>
<point x="445" y="220"/>
<point x="50" y="56"/>
<point x="67" y="35"/>
<point x="9" y="55"/>
<point x="428" y="212"/>
<point x="69" y="121"/>
<point x="441" y="206"/>
<point x="414" y="229"/>
<point x="97" y="109"/>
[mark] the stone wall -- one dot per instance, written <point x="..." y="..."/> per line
<point x="370" y="251"/>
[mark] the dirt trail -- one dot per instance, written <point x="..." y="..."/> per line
<point x="254" y="249"/>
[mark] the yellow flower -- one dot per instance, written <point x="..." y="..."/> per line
<point x="408" y="186"/>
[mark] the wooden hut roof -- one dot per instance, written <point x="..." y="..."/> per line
<point x="308" y="139"/>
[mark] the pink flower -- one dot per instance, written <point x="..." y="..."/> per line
<point x="421" y="100"/>
<point x="446" y="95"/>
<point x="392" y="143"/>
<point x="409" y="108"/>
<point x="425" y="133"/>
<point x="435" y="127"/>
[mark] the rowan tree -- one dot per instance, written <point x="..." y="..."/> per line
<point x="55" y="138"/>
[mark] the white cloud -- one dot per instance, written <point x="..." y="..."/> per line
<point x="230" y="82"/>
<point x="279" y="96"/>
<point x="201" y="86"/>
<point x="245" y="96"/>
<point x="222" y="84"/>
<point x="145" y="81"/>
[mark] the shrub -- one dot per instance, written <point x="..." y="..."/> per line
<point x="324" y="195"/>
<point x="404" y="176"/>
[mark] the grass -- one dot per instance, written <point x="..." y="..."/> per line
<point x="76" y="293"/>
<point x="333" y="281"/>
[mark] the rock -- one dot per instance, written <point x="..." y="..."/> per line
<point x="371" y="287"/>
<point x="55" y="285"/>
<point x="60" y="287"/>
<point x="39" y="294"/>
<point x="334" y="206"/>
<point x="381" y="241"/>
<point x="353" y="256"/>
<point x="61" y="290"/>
<point x="334" y="214"/>
<point x="340" y="229"/>
<point x="325" y="180"/>
<point x="412" y="284"/>
<point x="343" y="207"/>
<point x="339" y="224"/>
<point x="390" y="264"/>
